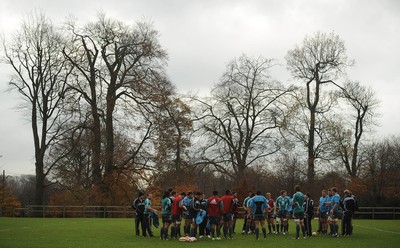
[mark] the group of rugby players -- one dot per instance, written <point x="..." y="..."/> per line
<point x="209" y="216"/>
<point x="330" y="205"/>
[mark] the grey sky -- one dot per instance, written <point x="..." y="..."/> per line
<point x="202" y="36"/>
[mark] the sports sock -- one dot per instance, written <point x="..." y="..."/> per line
<point x="165" y="233"/>
<point x="332" y="228"/>
<point x="264" y="230"/>
<point x="277" y="227"/>
<point x="230" y="231"/>
<point x="303" y="229"/>
<point x="225" y="231"/>
<point x="269" y="227"/>
<point x="172" y="232"/>
<point x="212" y="230"/>
<point x="297" y="230"/>
<point x="273" y="227"/>
<point x="192" y="232"/>
<point x="257" y="232"/>
<point x="162" y="233"/>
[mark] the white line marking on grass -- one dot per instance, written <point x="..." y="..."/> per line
<point x="5" y="230"/>
<point x="377" y="229"/>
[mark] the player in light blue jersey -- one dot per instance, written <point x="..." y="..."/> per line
<point x="328" y="199"/>
<point x="323" y="213"/>
<point x="334" y="213"/>
<point x="327" y="204"/>
<point x="186" y="214"/>
<point x="246" y="222"/>
<point x="282" y="206"/>
<point x="258" y="207"/>
<point x="148" y="210"/>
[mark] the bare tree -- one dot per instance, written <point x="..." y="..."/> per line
<point x="380" y="173"/>
<point x="115" y="62"/>
<point x="41" y="72"/>
<point x="173" y="126"/>
<point x="242" y="118"/>
<point x="347" y="135"/>
<point x="319" y="61"/>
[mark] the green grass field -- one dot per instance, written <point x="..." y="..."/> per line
<point x="86" y="232"/>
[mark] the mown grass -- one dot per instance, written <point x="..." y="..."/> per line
<point x="86" y="232"/>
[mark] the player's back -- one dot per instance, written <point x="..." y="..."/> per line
<point x="214" y="206"/>
<point x="228" y="201"/>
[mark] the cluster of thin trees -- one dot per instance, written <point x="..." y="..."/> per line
<point x="106" y="119"/>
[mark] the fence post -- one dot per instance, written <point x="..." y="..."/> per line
<point x="394" y="214"/>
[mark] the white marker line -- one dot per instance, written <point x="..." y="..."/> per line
<point x="377" y="229"/>
<point x="5" y="230"/>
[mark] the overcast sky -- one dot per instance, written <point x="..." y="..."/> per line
<point x="202" y="36"/>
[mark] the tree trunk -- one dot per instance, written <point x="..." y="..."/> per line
<point x="311" y="152"/>
<point x="109" y="165"/>
<point x="96" y="145"/>
<point x="39" y="191"/>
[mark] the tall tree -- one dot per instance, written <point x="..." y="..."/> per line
<point x="118" y="67"/>
<point x="242" y="117"/>
<point x="173" y="127"/>
<point x="41" y="72"/>
<point x="115" y="62"/>
<point x="320" y="60"/>
<point x="347" y="135"/>
<point x="84" y="55"/>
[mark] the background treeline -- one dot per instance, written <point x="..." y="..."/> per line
<point x="108" y="122"/>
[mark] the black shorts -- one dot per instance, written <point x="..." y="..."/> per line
<point x="167" y="218"/>
<point x="282" y="214"/>
<point x="298" y="215"/>
<point x="235" y="216"/>
<point x="193" y="215"/>
<point x="335" y="215"/>
<point x="214" y="220"/>
<point x="270" y="215"/>
<point x="187" y="216"/>
<point x="323" y="215"/>
<point x="259" y="217"/>
<point x="176" y="218"/>
<point x="228" y="217"/>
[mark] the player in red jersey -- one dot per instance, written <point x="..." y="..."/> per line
<point x="214" y="211"/>
<point x="227" y="200"/>
<point x="270" y="214"/>
<point x="176" y="216"/>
